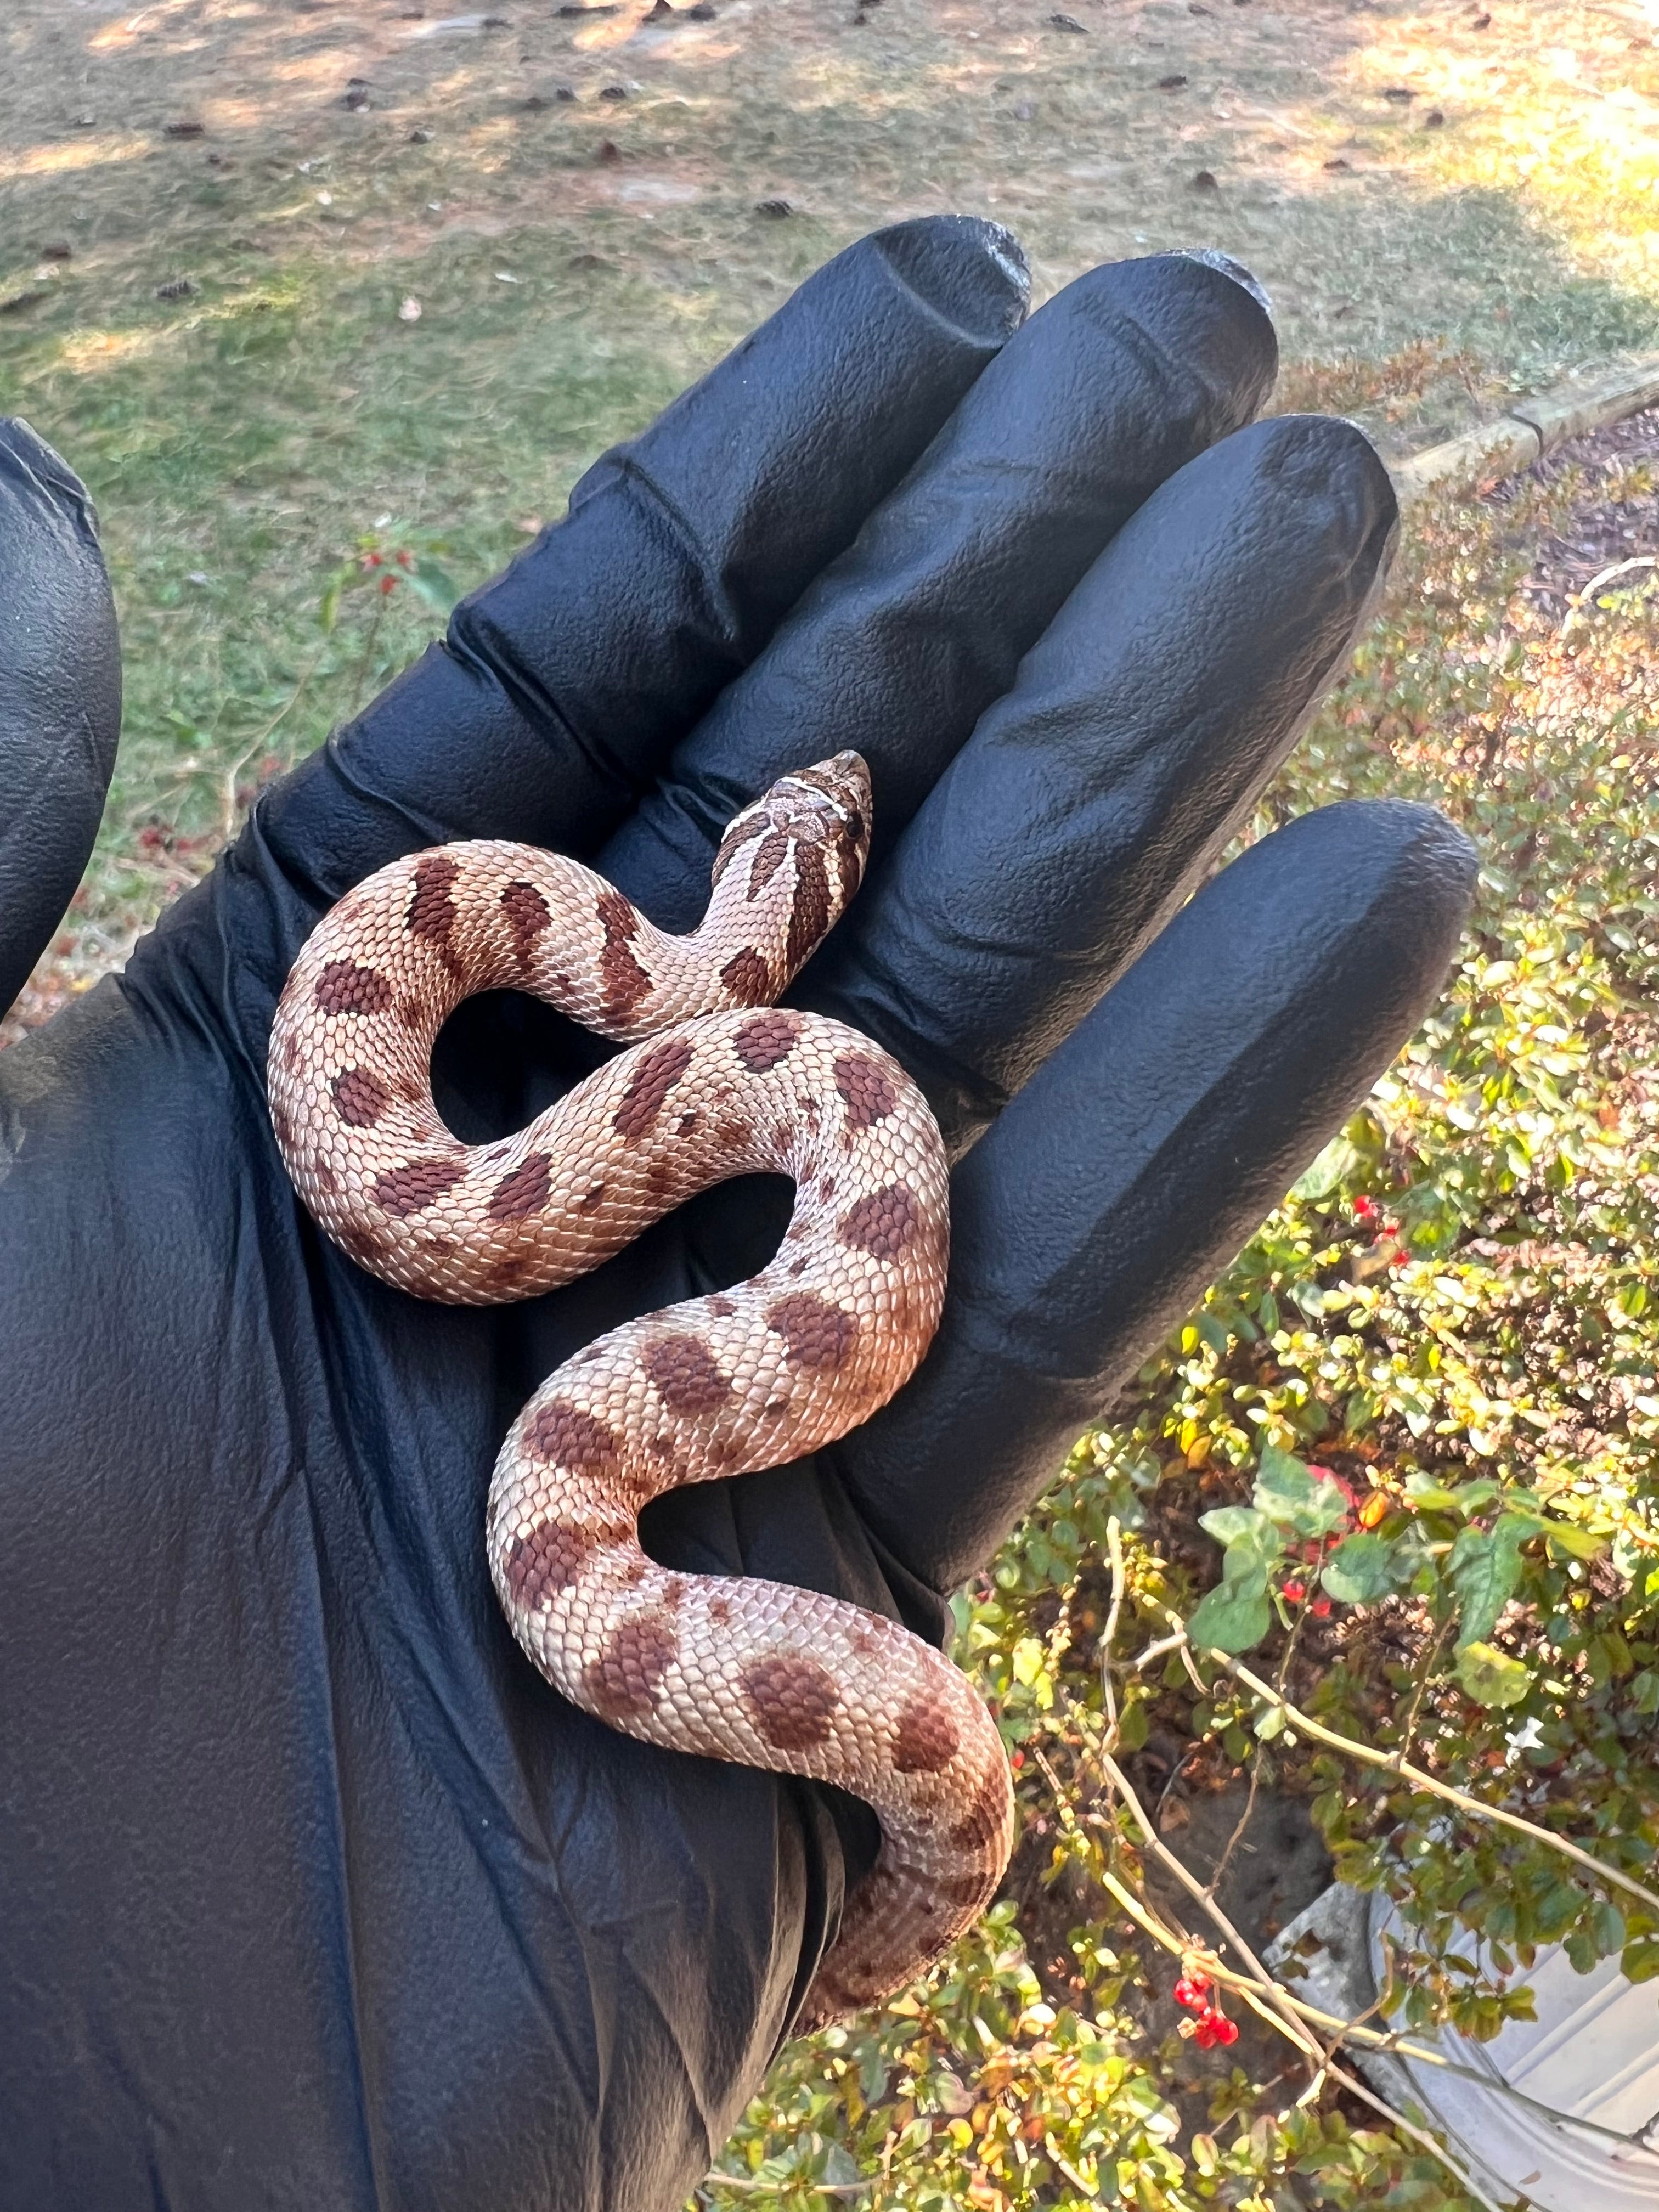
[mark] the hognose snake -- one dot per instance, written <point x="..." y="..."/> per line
<point x="718" y="1082"/>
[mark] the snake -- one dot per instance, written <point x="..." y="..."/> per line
<point x="717" y="1079"/>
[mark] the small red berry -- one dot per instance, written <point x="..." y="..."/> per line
<point x="388" y="584"/>
<point x="371" y="559"/>
<point x="1364" y="1208"/>
<point x="1215" y="2028"/>
<point x="403" y="560"/>
<point x="1321" y="1608"/>
<point x="1294" y="1590"/>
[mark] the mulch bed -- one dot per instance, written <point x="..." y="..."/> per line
<point x="1604" y="528"/>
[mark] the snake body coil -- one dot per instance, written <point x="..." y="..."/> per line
<point x="718" y="1082"/>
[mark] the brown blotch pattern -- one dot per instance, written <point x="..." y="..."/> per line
<point x="792" y="1701"/>
<point x="563" y="1435"/>
<point x="809" y="917"/>
<point x="962" y="1889"/>
<point x="360" y="1099"/>
<point x="653" y="1080"/>
<point x="721" y="1308"/>
<point x="408" y="1189"/>
<point x="687" y="1123"/>
<point x="849" y="855"/>
<point x="591" y="1198"/>
<point x="719" y="1612"/>
<point x="524" y="1192"/>
<point x="684" y="1374"/>
<point x="770" y="1038"/>
<point x="883" y="1223"/>
<point x="432" y="911"/>
<point x="768" y="859"/>
<point x="867" y="1091"/>
<point x="624" y="981"/>
<point x="733" y="843"/>
<point x="547" y="1561"/>
<point x="926" y="1737"/>
<point x="983" y="1819"/>
<point x="527" y="915"/>
<point x="747" y="977"/>
<point x="621" y="1684"/>
<point x="816" y="1335"/>
<point x="345" y="988"/>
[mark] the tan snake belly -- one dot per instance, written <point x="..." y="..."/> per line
<point x="718" y="1082"/>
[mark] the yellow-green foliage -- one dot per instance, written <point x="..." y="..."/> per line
<point x="1455" y="1312"/>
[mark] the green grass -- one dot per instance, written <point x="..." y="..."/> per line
<point x="239" y="441"/>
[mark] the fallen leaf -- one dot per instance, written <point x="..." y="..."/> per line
<point x="1205" y="180"/>
<point x="58" y="249"/>
<point x="1339" y="163"/>
<point x="410" y="310"/>
<point x="608" y="151"/>
<point x="775" y="210"/>
<point x="1399" y="92"/>
<point x="1064" y="23"/>
<point x="184" y="130"/>
<point x="1434" y="119"/>
<point x="1171" y="83"/>
<point x="613" y="92"/>
<point x="176" y="287"/>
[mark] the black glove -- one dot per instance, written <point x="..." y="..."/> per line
<point x="315" y="1895"/>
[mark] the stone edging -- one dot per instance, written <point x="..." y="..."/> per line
<point x="1528" y="430"/>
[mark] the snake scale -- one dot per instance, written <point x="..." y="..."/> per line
<point x="717" y="1082"/>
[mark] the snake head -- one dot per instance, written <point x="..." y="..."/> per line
<point x="817" y="821"/>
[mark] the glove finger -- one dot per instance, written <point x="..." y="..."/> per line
<point x="60" y="695"/>
<point x="1094" y="795"/>
<point x="562" y="685"/>
<point x="902" y="644"/>
<point x="1142" y="1155"/>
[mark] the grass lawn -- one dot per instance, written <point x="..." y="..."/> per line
<point x="1426" y="255"/>
<point x="218" y="218"/>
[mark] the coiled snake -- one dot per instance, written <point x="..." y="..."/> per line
<point x="718" y="1082"/>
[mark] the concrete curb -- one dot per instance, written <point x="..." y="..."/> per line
<point x="1528" y="430"/>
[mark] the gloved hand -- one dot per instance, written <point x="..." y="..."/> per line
<point x="314" y="1894"/>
